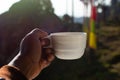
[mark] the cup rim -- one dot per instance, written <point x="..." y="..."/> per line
<point x="67" y="33"/>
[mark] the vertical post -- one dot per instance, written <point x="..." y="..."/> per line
<point x="66" y="6"/>
<point x="72" y="11"/>
<point x="85" y="25"/>
<point x="92" y="32"/>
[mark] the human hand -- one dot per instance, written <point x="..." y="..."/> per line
<point x="32" y="57"/>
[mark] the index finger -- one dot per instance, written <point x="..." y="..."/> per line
<point x="38" y="33"/>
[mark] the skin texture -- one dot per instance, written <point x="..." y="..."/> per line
<point x="33" y="57"/>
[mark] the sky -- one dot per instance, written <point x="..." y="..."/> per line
<point x="60" y="6"/>
<point x="5" y="5"/>
<point x="64" y="6"/>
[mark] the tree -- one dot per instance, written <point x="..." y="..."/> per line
<point x="21" y="18"/>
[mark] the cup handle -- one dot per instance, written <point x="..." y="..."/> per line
<point x="48" y="38"/>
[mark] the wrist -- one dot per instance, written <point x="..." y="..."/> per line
<point x="11" y="73"/>
<point x="20" y="64"/>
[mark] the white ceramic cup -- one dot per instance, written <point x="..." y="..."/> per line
<point x="68" y="45"/>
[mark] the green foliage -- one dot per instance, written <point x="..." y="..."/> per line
<point x="109" y="49"/>
<point x="31" y="7"/>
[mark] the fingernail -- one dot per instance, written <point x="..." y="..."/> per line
<point x="45" y="42"/>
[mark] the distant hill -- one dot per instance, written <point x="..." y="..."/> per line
<point x="76" y="19"/>
<point x="79" y="20"/>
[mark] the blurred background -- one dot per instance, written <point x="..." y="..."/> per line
<point x="99" y="18"/>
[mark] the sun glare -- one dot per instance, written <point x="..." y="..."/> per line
<point x="65" y="7"/>
<point x="61" y="7"/>
<point x="5" y="5"/>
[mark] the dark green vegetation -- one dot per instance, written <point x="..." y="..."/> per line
<point x="109" y="47"/>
